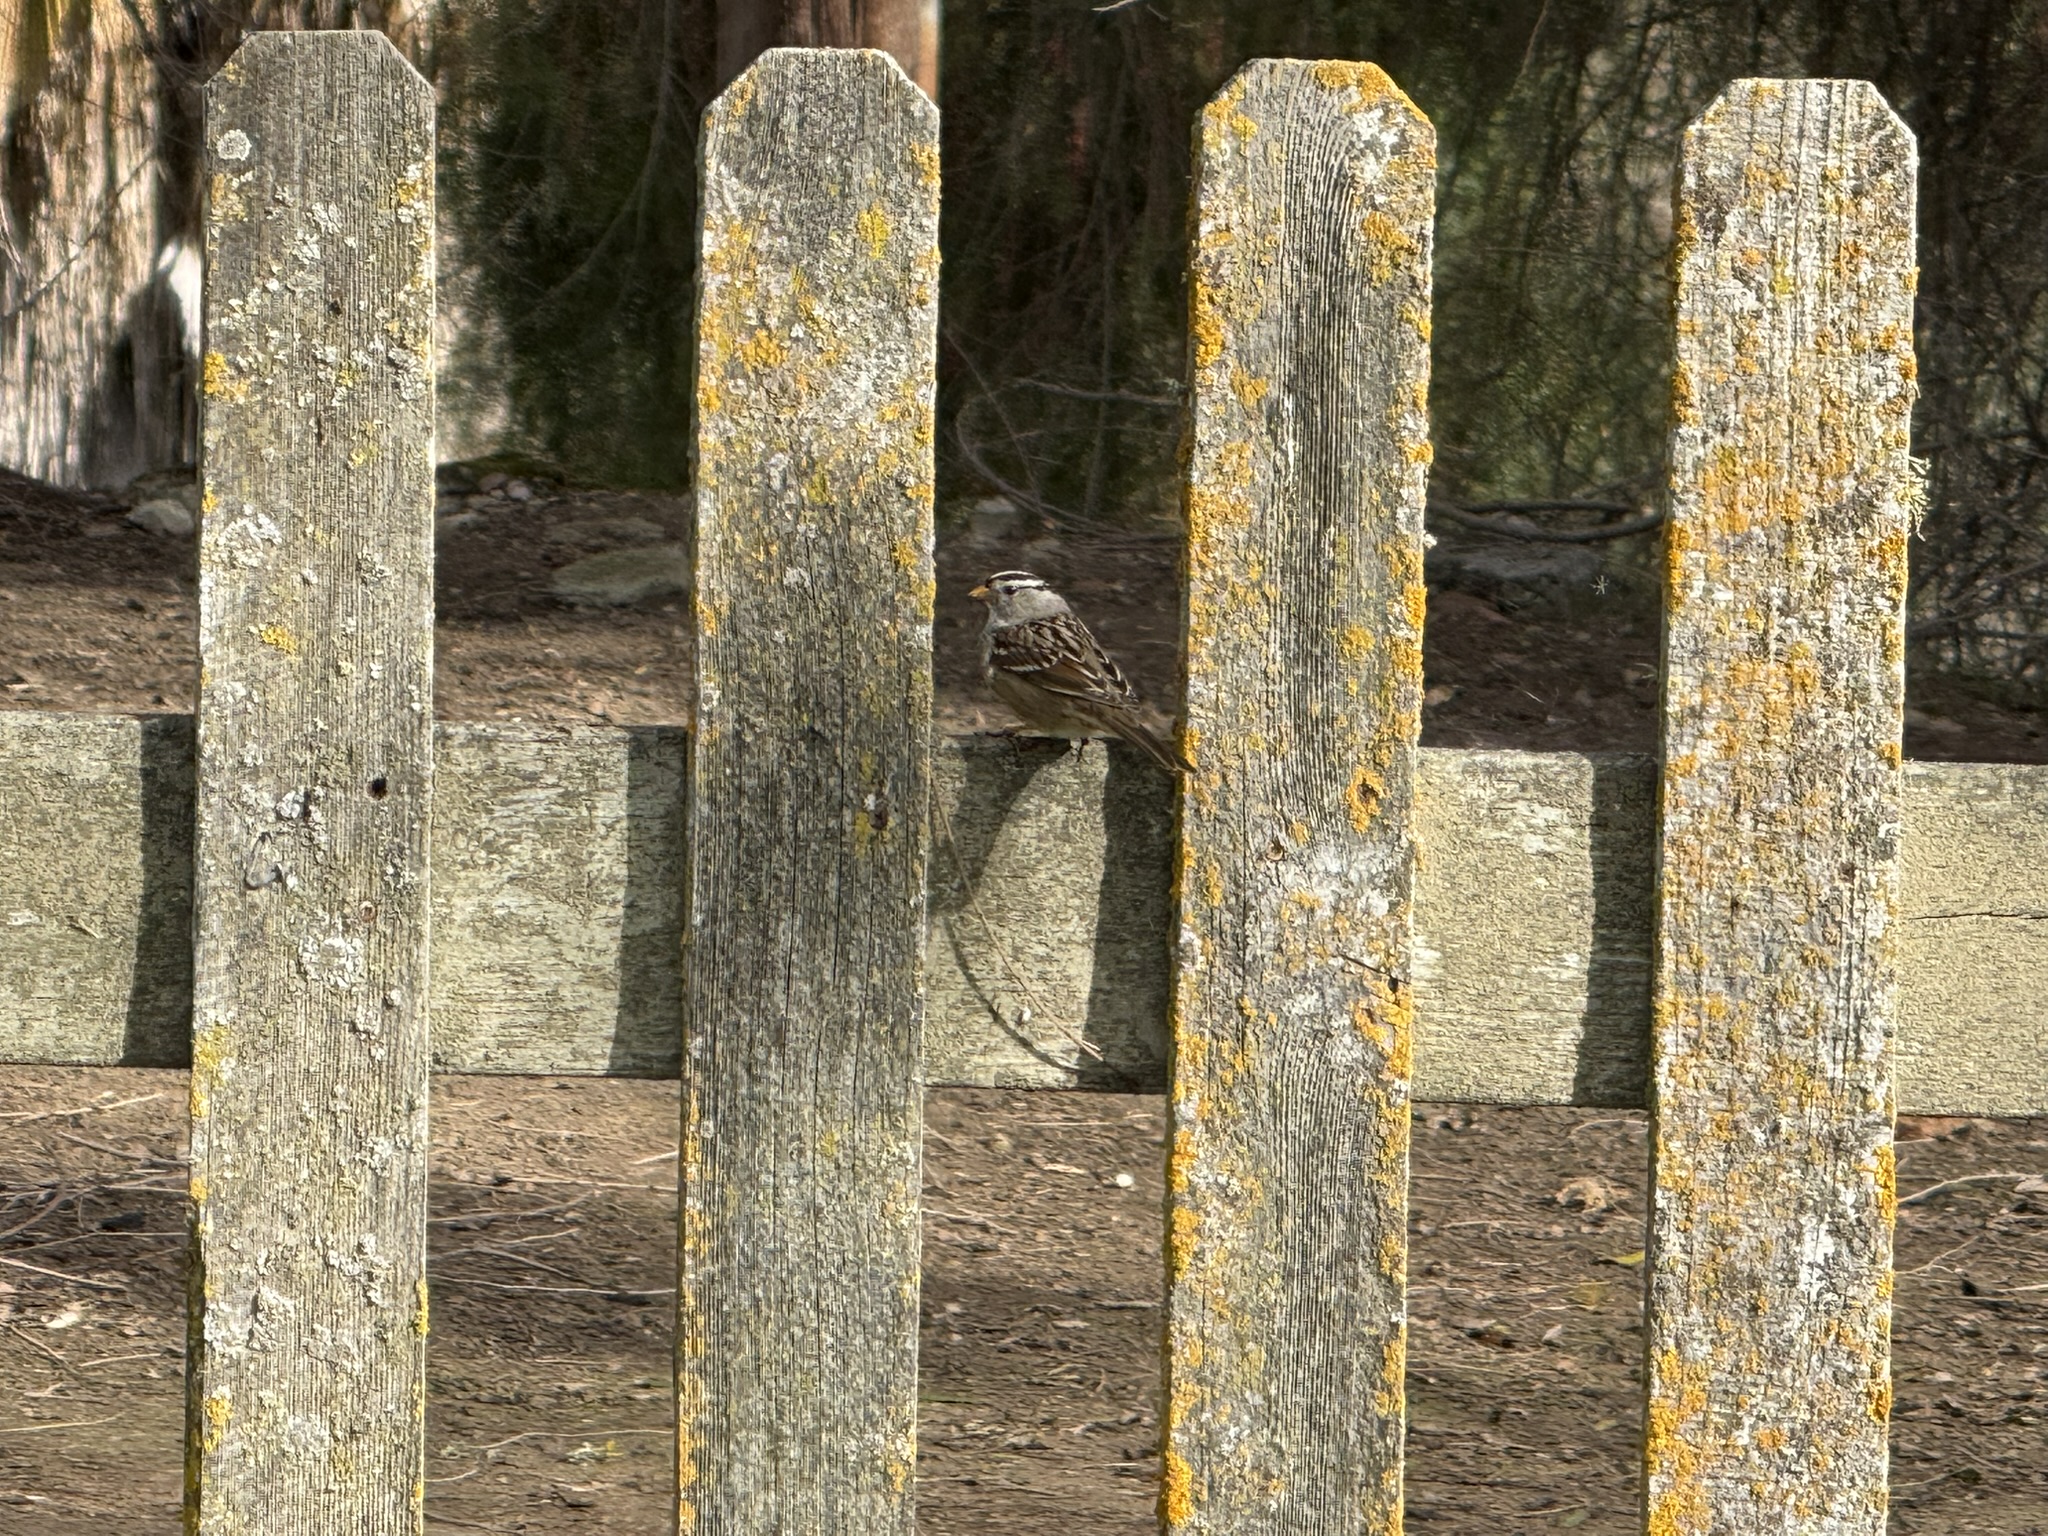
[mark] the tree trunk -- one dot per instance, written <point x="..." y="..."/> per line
<point x="907" y="29"/>
<point x="90" y="327"/>
<point x="99" y="219"/>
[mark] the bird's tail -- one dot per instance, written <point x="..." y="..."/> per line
<point x="1159" y="751"/>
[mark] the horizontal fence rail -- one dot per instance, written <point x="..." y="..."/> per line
<point x="557" y="852"/>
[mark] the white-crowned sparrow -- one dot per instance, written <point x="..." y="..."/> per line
<point x="1042" y="662"/>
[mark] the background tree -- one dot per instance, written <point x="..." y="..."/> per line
<point x="568" y="197"/>
<point x="908" y="29"/>
<point x="99" y="218"/>
<point x="88" y="329"/>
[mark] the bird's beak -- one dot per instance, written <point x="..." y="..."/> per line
<point x="979" y="594"/>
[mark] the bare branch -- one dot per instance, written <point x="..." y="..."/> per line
<point x="1506" y="525"/>
<point x="1171" y="402"/>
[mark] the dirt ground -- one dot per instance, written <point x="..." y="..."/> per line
<point x="553" y="1202"/>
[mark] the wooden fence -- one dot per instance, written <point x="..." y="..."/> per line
<point x="1772" y="939"/>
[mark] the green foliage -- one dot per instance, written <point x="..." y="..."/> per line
<point x="1066" y="138"/>
<point x="568" y="173"/>
<point x="1067" y="157"/>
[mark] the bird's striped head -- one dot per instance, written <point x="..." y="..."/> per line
<point x="1007" y="584"/>
<point x="1018" y="596"/>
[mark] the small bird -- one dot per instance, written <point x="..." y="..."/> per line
<point x="1042" y="662"/>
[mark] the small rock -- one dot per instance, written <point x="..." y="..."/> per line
<point x="994" y="519"/>
<point x="443" y="526"/>
<point x="164" y="516"/>
<point x="621" y="576"/>
<point x="179" y="485"/>
<point x="1125" y="1181"/>
<point x="518" y="490"/>
<point x="1586" y="1194"/>
<point x="606" y="532"/>
<point x="493" y="481"/>
<point x="1522" y="576"/>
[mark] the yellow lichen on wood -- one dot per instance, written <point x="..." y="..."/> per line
<point x="1176" y="1489"/>
<point x="1205" y="324"/>
<point x="215" y="1413"/>
<point x="815" y="367"/>
<point x="1303" y="561"/>
<point x="873" y="225"/>
<point x="218" y="382"/>
<point x="1779" y="836"/>
<point x="1387" y="245"/>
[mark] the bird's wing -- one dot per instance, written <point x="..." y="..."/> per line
<point x="1060" y="656"/>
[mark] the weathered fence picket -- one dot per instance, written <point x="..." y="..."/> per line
<point x="809" y="785"/>
<point x="1802" y="919"/>
<point x="1288" y="1185"/>
<point x="1770" y="1237"/>
<point x="306" y="1375"/>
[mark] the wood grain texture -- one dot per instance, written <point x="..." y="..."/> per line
<point x="306" y="1375"/>
<point x="1973" y="942"/>
<point x="1532" y="927"/>
<point x="558" y="858"/>
<point x="96" y="889"/>
<point x="559" y="861"/>
<point x="1049" y="962"/>
<point x="1778" y="891"/>
<point x="809" y="801"/>
<point x="1293" y="998"/>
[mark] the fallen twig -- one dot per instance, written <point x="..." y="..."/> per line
<point x="539" y="1210"/>
<point x="1963" y="1182"/>
<point x="58" y="1274"/>
<point x="1498" y="517"/>
<point x="609" y="1293"/>
<point x="33" y="1342"/>
<point x="30" y="1429"/>
<point x="24" y="1116"/>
